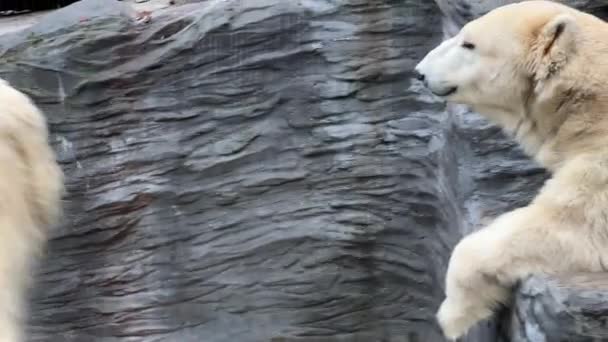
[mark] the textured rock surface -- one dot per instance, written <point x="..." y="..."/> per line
<point x="242" y="171"/>
<point x="255" y="171"/>
<point x="572" y="309"/>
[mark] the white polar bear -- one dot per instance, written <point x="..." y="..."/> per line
<point x="31" y="187"/>
<point x="538" y="69"/>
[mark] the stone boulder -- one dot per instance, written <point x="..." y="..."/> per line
<point x="566" y="309"/>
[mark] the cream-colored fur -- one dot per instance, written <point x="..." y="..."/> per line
<point x="540" y="70"/>
<point x="31" y="186"/>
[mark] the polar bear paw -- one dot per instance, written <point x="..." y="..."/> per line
<point x="455" y="320"/>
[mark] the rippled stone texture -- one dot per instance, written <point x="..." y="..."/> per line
<point x="242" y="171"/>
<point x="256" y="171"/>
<point x="570" y="309"/>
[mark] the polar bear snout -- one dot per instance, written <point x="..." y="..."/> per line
<point x="419" y="76"/>
<point x="436" y="68"/>
<point x="437" y="90"/>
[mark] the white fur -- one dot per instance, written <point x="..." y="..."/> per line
<point x="31" y="186"/>
<point x="539" y="70"/>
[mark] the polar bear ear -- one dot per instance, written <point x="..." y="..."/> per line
<point x="557" y="38"/>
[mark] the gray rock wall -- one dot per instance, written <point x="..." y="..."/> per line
<point x="256" y="171"/>
<point x="565" y="309"/>
<point x="242" y="171"/>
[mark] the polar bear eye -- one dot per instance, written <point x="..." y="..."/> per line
<point x="468" y="46"/>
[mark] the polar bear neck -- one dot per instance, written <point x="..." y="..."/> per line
<point x="557" y="125"/>
<point x="522" y="126"/>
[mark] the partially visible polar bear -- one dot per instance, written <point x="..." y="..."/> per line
<point x="31" y="187"/>
<point x="539" y="70"/>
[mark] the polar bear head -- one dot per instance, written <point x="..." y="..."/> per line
<point x="497" y="60"/>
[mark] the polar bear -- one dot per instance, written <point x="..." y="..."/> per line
<point x="539" y="70"/>
<point x="31" y="188"/>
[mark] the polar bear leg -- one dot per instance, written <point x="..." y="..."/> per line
<point x="20" y="243"/>
<point x="485" y="265"/>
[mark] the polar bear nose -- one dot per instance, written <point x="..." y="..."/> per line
<point x="419" y="76"/>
